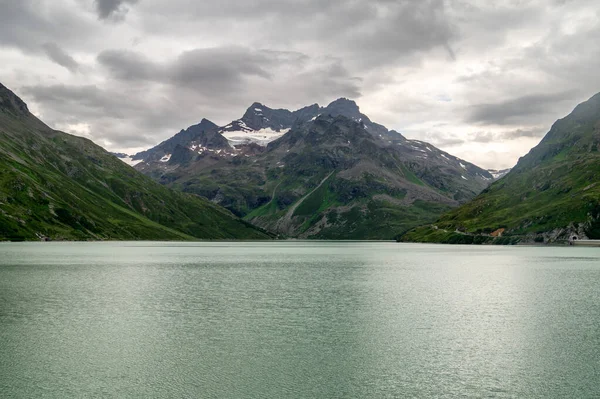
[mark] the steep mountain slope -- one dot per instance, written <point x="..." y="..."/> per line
<point x="553" y="193"/>
<point x="331" y="173"/>
<point x="59" y="186"/>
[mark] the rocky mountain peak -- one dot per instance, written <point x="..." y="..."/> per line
<point x="343" y="106"/>
<point x="256" y="108"/>
<point x="207" y="124"/>
<point x="258" y="116"/>
<point x="257" y="105"/>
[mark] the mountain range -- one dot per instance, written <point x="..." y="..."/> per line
<point x="551" y="195"/>
<point x="317" y="172"/>
<point x="57" y="186"/>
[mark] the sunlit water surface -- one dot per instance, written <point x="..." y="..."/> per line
<point x="298" y="320"/>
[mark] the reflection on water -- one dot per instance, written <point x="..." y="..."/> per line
<point x="298" y="319"/>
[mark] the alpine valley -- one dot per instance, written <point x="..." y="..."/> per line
<point x="552" y="194"/>
<point x="57" y="186"/>
<point x="317" y="172"/>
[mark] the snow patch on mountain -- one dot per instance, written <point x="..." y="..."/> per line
<point x="496" y="174"/>
<point x="261" y="137"/>
<point x="129" y="161"/>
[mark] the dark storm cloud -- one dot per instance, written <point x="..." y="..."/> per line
<point x="517" y="109"/>
<point x="58" y="55"/>
<point x="112" y="8"/>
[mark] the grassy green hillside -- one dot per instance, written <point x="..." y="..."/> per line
<point x="60" y="186"/>
<point x="343" y="209"/>
<point x="553" y="192"/>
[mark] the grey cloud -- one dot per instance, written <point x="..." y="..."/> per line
<point x="112" y="8"/>
<point x="226" y="73"/>
<point x="447" y="141"/>
<point x="58" y="55"/>
<point x="476" y="19"/>
<point x="559" y="67"/>
<point x="129" y="65"/>
<point x="211" y="59"/>
<point x="26" y="25"/>
<point x="442" y="139"/>
<point x="370" y="33"/>
<point x="115" y="115"/>
<point x="88" y="100"/>
<point x="219" y="68"/>
<point x="518" y="133"/>
<point x="484" y="137"/>
<point x="517" y="109"/>
<point x="571" y="59"/>
<point x="251" y="10"/>
<point x="438" y="137"/>
<point x="508" y="135"/>
<point x="148" y="99"/>
<point x="325" y="82"/>
<point x="125" y="139"/>
<point x="406" y="27"/>
<point x="211" y="68"/>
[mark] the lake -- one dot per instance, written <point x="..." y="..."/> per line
<point x="297" y="319"/>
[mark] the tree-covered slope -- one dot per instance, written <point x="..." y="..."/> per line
<point x="553" y="193"/>
<point x="59" y="186"/>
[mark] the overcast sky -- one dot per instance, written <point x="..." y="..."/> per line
<point x="483" y="80"/>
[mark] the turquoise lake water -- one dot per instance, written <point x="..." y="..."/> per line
<point x="298" y="319"/>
